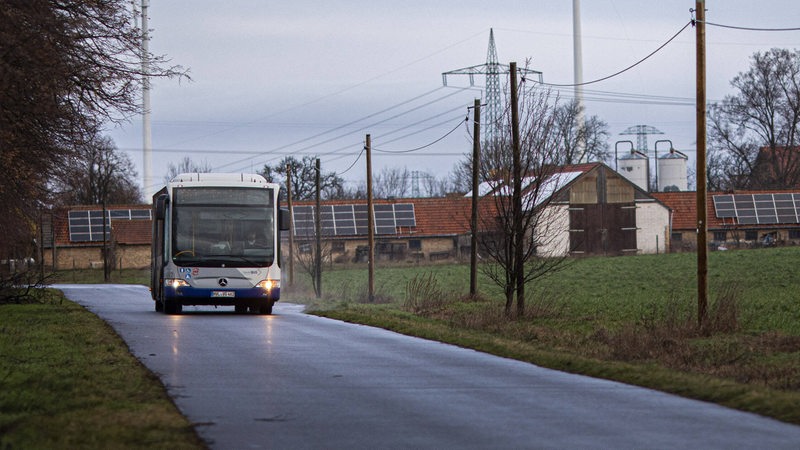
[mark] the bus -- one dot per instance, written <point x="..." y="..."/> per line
<point x="216" y="241"/>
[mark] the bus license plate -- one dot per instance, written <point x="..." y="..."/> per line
<point x="223" y="294"/>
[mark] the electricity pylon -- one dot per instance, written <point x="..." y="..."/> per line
<point x="493" y="95"/>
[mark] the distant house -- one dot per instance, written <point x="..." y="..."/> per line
<point x="735" y="219"/>
<point x="416" y="229"/>
<point x="73" y="236"/>
<point x="776" y="168"/>
<point x="592" y="210"/>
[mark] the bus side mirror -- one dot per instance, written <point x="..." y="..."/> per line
<point x="283" y="219"/>
<point x="161" y="207"/>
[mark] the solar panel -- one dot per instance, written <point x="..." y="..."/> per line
<point x="351" y="219"/>
<point x="87" y="225"/>
<point x="723" y="204"/>
<point x="404" y="215"/>
<point x="752" y="209"/>
<point x="362" y="223"/>
<point x="303" y="219"/>
<point x="785" y="208"/>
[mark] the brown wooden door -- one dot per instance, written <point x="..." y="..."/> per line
<point x="603" y="229"/>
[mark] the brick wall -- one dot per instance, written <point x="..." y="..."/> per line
<point x="91" y="257"/>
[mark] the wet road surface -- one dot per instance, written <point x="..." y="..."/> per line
<point x="292" y="380"/>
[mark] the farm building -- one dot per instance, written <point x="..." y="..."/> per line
<point x="593" y="211"/>
<point x="739" y="219"/>
<point x="73" y="237"/>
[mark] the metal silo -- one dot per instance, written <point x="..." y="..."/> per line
<point x="672" y="171"/>
<point x="635" y="166"/>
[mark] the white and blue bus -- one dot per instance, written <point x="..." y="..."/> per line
<point x="216" y="241"/>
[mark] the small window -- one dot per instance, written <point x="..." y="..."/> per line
<point x="794" y="234"/>
<point x="677" y="236"/>
<point x="750" y="235"/>
<point x="337" y="246"/>
<point x="720" y="236"/>
<point x="415" y="244"/>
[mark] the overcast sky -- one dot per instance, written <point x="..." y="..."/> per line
<point x="278" y="78"/>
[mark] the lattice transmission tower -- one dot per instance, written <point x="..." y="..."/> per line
<point x="494" y="100"/>
<point x="492" y="108"/>
<point x="641" y="132"/>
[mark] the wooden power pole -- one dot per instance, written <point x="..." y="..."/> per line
<point x="516" y="194"/>
<point x="702" y="214"/>
<point x="370" y="223"/>
<point x="318" y="223"/>
<point x="476" y="161"/>
<point x="291" y="222"/>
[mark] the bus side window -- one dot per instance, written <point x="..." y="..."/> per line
<point x="283" y="219"/>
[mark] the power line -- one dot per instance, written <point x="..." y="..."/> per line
<point x="340" y="136"/>
<point x="354" y="162"/>
<point x="337" y="128"/>
<point x="749" y="28"/>
<point x="340" y="91"/>
<point x="627" y="68"/>
<point x="423" y="146"/>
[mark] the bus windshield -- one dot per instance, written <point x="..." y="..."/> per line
<point x="223" y="227"/>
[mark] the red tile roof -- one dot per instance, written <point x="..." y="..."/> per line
<point x="132" y="232"/>
<point x="447" y="216"/>
<point x="684" y="209"/>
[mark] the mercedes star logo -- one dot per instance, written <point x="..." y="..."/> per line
<point x="223" y="282"/>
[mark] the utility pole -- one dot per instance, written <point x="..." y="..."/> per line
<point x="291" y="222"/>
<point x="370" y="224"/>
<point x="105" y="237"/>
<point x="318" y="223"/>
<point x="476" y="166"/>
<point x="702" y="214"/>
<point x="516" y="194"/>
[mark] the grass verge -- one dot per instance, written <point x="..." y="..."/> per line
<point x="68" y="381"/>
<point x="630" y="319"/>
<point x="778" y="404"/>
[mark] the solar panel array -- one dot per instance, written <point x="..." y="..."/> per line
<point x="752" y="209"/>
<point x="87" y="226"/>
<point x="351" y="220"/>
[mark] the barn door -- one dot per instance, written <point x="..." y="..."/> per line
<point x="602" y="229"/>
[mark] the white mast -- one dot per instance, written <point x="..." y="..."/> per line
<point x="577" y="54"/>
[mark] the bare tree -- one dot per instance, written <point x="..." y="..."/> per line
<point x="392" y="182"/>
<point x="97" y="173"/>
<point x="753" y="135"/>
<point x="433" y="186"/>
<point x="513" y="266"/>
<point x="186" y="165"/>
<point x="66" y="67"/>
<point x="306" y="258"/>
<point x="593" y="134"/>
<point x="303" y="173"/>
<point x="565" y="132"/>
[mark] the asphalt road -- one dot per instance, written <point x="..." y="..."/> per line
<point x="292" y="380"/>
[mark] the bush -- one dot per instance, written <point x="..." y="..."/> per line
<point x="424" y="296"/>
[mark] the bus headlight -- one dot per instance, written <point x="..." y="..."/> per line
<point x="268" y="285"/>
<point x="175" y="283"/>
